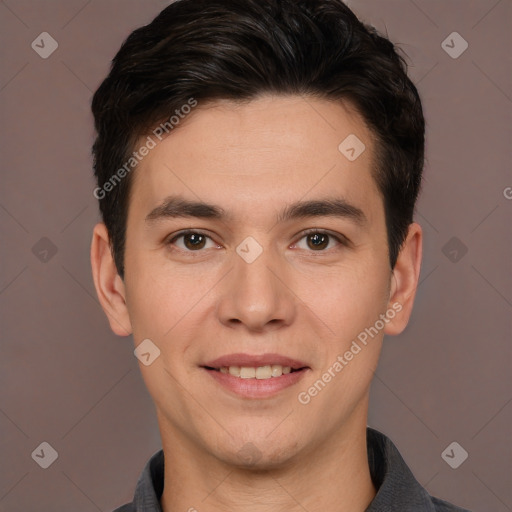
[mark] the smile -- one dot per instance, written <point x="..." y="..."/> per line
<point x="260" y="372"/>
<point x="256" y="382"/>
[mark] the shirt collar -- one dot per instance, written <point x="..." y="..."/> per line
<point x="397" y="489"/>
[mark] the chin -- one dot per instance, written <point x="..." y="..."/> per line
<point x="260" y="454"/>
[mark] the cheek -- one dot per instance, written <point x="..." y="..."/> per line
<point x="348" y="307"/>
<point x="347" y="299"/>
<point x="156" y="301"/>
<point x="167" y="305"/>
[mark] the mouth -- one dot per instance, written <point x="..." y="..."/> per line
<point x="270" y="371"/>
<point x="259" y="376"/>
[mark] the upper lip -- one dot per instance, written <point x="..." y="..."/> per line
<point x="255" y="361"/>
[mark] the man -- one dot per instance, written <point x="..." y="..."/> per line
<point x="258" y="164"/>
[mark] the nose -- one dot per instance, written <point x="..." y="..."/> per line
<point x="257" y="294"/>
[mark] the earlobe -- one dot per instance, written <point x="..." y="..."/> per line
<point x="405" y="280"/>
<point x="109" y="285"/>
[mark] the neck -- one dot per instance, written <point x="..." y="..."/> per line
<point x="333" y="475"/>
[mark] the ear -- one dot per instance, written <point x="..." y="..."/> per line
<point x="109" y="285"/>
<point x="404" y="280"/>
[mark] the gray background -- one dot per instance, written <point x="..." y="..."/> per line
<point x="66" y="379"/>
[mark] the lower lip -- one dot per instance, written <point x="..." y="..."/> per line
<point x="257" y="388"/>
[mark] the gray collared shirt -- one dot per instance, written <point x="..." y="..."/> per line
<point x="397" y="489"/>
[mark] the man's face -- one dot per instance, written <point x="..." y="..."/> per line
<point x="250" y="283"/>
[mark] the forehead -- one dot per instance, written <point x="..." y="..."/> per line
<point x="269" y="151"/>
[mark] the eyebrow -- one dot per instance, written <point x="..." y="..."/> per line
<point x="177" y="206"/>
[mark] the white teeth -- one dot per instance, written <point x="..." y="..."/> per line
<point x="277" y="370"/>
<point x="261" y="372"/>
<point x="234" y="370"/>
<point x="247" y="373"/>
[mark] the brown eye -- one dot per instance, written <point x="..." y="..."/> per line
<point x="193" y="241"/>
<point x="318" y="240"/>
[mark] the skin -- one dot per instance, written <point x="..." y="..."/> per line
<point x="294" y="299"/>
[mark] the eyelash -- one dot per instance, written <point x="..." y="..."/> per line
<point x="343" y="241"/>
